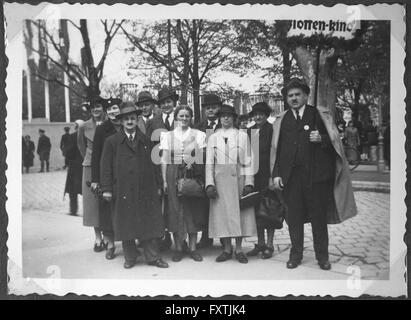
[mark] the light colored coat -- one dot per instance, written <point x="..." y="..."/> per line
<point x="229" y="172"/>
<point x="344" y="206"/>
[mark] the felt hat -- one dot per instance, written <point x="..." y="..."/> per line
<point x="165" y="93"/>
<point x="260" y="107"/>
<point x="107" y="103"/>
<point x="145" y="96"/>
<point x="211" y="98"/>
<point x="126" y="108"/>
<point x="227" y="109"/>
<point x="295" y="83"/>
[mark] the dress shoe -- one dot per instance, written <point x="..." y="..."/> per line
<point x="257" y="249"/>
<point x="99" y="247"/>
<point x="267" y="253"/>
<point x="205" y="243"/>
<point x="129" y="264"/>
<point x="325" y="265"/>
<point x="177" y="256"/>
<point x="159" y="263"/>
<point x="224" y="256"/>
<point x="292" y="264"/>
<point x="110" y="253"/>
<point x="195" y="256"/>
<point x="240" y="256"/>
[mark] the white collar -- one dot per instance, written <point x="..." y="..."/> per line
<point x="130" y="134"/>
<point x="301" y="112"/>
<point x="182" y="135"/>
<point x="149" y="117"/>
<point x="170" y="118"/>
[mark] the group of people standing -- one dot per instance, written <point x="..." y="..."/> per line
<point x="137" y="166"/>
<point x="43" y="151"/>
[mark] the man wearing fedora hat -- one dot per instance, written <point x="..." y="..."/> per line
<point x="309" y="166"/>
<point x="132" y="182"/>
<point x="43" y="150"/>
<point x="167" y="100"/>
<point x="146" y="103"/>
<point x="212" y="105"/>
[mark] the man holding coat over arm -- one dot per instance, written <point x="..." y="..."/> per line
<point x="131" y="181"/>
<point x="307" y="163"/>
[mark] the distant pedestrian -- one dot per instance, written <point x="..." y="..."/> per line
<point x="74" y="169"/>
<point x="63" y="144"/>
<point x="43" y="150"/>
<point x="352" y="136"/>
<point x="85" y="136"/>
<point x="28" y="153"/>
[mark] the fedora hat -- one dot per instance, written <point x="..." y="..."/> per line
<point x="92" y="102"/>
<point x="295" y="83"/>
<point x="126" y="108"/>
<point x="145" y="96"/>
<point x="107" y="103"/>
<point x="165" y="93"/>
<point x="227" y="109"/>
<point x="211" y="98"/>
<point x="260" y="107"/>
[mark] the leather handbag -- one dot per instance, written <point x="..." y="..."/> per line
<point x="250" y="200"/>
<point x="272" y="209"/>
<point x="190" y="187"/>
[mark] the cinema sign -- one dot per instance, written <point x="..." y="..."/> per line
<point x="331" y="28"/>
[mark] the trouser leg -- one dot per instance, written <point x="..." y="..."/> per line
<point x="41" y="165"/>
<point x="151" y="251"/>
<point x="73" y="203"/>
<point x="47" y="165"/>
<point x="130" y="250"/>
<point x="294" y="198"/>
<point x="320" y="195"/>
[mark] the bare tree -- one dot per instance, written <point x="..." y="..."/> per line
<point x="88" y="74"/>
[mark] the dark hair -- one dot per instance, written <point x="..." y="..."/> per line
<point x="183" y="107"/>
<point x="243" y="117"/>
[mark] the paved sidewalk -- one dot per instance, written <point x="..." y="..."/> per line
<point x="51" y="237"/>
<point x="367" y="178"/>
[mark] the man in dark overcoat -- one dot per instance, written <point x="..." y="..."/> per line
<point x="211" y="104"/>
<point x="74" y="169"/>
<point x="167" y="99"/>
<point x="132" y="182"/>
<point x="308" y="164"/>
<point x="63" y="144"/>
<point x="43" y="150"/>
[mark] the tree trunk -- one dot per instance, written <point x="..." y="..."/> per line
<point x="285" y="52"/>
<point x="327" y="91"/>
<point x="195" y="76"/>
<point x="185" y="80"/>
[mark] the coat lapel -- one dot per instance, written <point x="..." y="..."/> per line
<point x="275" y="138"/>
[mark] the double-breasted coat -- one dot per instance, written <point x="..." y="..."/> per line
<point x="229" y="168"/>
<point x="343" y="207"/>
<point x="43" y="148"/>
<point x="128" y="172"/>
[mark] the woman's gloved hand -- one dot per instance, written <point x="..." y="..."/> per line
<point x="211" y="192"/>
<point x="247" y="189"/>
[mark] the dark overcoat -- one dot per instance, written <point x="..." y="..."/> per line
<point x="265" y="135"/>
<point x="128" y="172"/>
<point x="43" y="147"/>
<point x="74" y="166"/>
<point x="156" y="123"/>
<point x="28" y="153"/>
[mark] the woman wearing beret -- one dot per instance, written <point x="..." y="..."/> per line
<point x="182" y="155"/>
<point x="229" y="176"/>
<point x="109" y="127"/>
<point x="85" y="136"/>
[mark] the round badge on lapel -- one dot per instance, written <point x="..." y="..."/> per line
<point x="306" y="127"/>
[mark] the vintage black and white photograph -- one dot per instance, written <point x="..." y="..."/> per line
<point x="188" y="149"/>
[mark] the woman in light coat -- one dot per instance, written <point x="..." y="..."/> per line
<point x="229" y="176"/>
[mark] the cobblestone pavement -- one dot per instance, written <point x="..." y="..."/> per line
<point x="362" y="241"/>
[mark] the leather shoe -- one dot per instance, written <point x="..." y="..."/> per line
<point x="129" y="264"/>
<point x="325" y="265"/>
<point x="110" y="253"/>
<point x="257" y="249"/>
<point x="177" y="256"/>
<point x="99" y="247"/>
<point x="224" y="256"/>
<point x="159" y="263"/>
<point x="240" y="256"/>
<point x="267" y="253"/>
<point x="195" y="256"/>
<point x="292" y="264"/>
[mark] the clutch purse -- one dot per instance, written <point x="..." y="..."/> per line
<point x="190" y="187"/>
<point x="250" y="200"/>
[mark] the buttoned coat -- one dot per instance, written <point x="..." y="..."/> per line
<point x="128" y="172"/>
<point x="343" y="207"/>
<point x="85" y="138"/>
<point x="229" y="168"/>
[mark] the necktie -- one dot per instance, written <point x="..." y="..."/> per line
<point x="130" y="138"/>
<point x="298" y="116"/>
<point x="212" y="123"/>
<point x="167" y="123"/>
